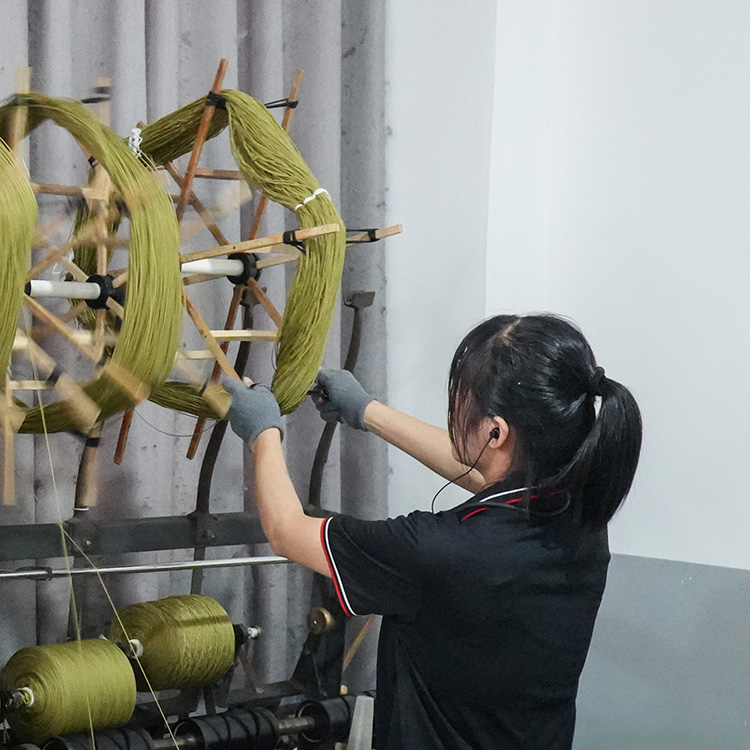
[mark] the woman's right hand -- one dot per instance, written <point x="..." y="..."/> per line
<point x="339" y="397"/>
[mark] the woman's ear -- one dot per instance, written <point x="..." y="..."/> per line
<point x="498" y="431"/>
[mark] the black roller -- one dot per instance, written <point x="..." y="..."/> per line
<point x="127" y="738"/>
<point x="333" y="719"/>
<point x="238" y="729"/>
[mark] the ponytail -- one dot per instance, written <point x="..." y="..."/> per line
<point x="601" y="472"/>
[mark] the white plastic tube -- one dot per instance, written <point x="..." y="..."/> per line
<point x="213" y="267"/>
<point x="68" y="289"/>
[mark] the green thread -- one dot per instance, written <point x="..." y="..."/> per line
<point x="268" y="159"/>
<point x="75" y="685"/>
<point x="187" y="640"/>
<point x="149" y="336"/>
<point x="17" y="221"/>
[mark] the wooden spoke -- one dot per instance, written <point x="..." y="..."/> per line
<point x="70" y="191"/>
<point x="382" y="233"/>
<point x="234" y="305"/>
<point x="200" y="209"/>
<point x="200" y="139"/>
<point x="265" y="303"/>
<point x="29" y="385"/>
<point x="54" y="322"/>
<point x="74" y="312"/>
<point x="281" y="258"/>
<point x="257" y="245"/>
<point x="84" y="411"/>
<point x="219" y="174"/>
<point x="211" y="342"/>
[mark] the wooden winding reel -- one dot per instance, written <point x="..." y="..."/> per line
<point x="121" y="270"/>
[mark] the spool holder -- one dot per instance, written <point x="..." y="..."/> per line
<point x="15" y="700"/>
<point x="133" y="649"/>
<point x="97" y="535"/>
<point x="239" y="268"/>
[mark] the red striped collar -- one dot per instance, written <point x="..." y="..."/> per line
<point x="509" y="498"/>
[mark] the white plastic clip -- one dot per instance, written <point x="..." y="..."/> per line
<point x="316" y="193"/>
<point x="134" y="141"/>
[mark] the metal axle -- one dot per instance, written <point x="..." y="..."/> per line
<point x="47" y="574"/>
<point x="88" y="290"/>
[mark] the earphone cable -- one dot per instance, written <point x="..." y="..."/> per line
<point x="461" y="476"/>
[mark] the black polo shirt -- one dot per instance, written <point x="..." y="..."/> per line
<point x="488" y="614"/>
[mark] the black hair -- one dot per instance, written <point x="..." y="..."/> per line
<point x="539" y="374"/>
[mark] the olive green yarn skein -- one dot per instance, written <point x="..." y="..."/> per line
<point x="17" y="221"/>
<point x="269" y="160"/>
<point x="149" y="336"/>
<point x="75" y="685"/>
<point x="187" y="640"/>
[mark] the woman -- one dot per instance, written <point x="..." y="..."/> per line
<point x="488" y="607"/>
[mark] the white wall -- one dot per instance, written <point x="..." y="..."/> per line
<point x="439" y="73"/>
<point x="620" y="195"/>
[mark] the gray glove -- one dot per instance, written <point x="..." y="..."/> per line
<point x="253" y="409"/>
<point x="339" y="397"/>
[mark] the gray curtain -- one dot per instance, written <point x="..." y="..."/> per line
<point x="160" y="54"/>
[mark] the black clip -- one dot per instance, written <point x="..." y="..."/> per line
<point x="216" y="100"/>
<point x="372" y="236"/>
<point x="93" y="162"/>
<point x="290" y="103"/>
<point x="101" y="94"/>
<point x="54" y="375"/>
<point x="290" y="238"/>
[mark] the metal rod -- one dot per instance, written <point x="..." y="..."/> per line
<point x="184" y="742"/>
<point x="286" y="725"/>
<point x="50" y="573"/>
<point x="296" y="724"/>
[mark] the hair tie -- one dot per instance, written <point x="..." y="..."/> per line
<point x="595" y="384"/>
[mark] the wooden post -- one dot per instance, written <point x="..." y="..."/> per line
<point x="87" y="491"/>
<point x="11" y="421"/>
<point x="122" y="440"/>
<point x="19" y="115"/>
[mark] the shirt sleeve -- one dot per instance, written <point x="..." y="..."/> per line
<point x="375" y="565"/>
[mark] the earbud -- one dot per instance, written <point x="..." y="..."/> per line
<point x="494" y="435"/>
